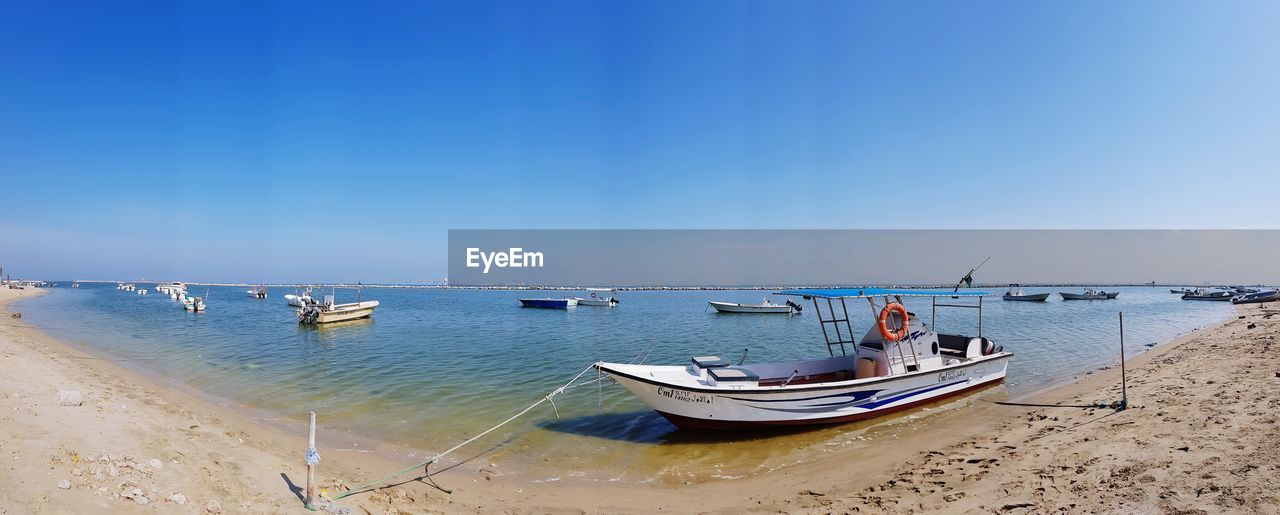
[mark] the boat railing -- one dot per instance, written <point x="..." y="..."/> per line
<point x="841" y="337"/>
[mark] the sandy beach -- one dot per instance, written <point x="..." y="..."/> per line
<point x="1198" y="438"/>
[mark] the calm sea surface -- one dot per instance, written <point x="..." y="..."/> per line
<point x="435" y="366"/>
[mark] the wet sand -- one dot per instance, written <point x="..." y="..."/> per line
<point x="1199" y="435"/>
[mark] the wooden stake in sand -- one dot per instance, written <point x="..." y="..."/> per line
<point x="313" y="459"/>
<point x="1124" y="386"/>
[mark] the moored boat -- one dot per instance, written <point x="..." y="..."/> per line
<point x="1213" y="296"/>
<point x="899" y="363"/>
<point x="764" y="307"/>
<point x="1089" y="294"/>
<point x="1257" y="297"/>
<point x="596" y="297"/>
<point x="562" y="303"/>
<point x="299" y="300"/>
<point x="328" y="311"/>
<point x="257" y="292"/>
<point x="1018" y="295"/>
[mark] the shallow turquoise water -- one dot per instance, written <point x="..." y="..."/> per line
<point x="435" y="366"/>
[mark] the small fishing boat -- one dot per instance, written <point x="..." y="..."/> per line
<point x="299" y="301"/>
<point x="564" y="303"/>
<point x="1257" y="297"/>
<point x="1182" y="291"/>
<point x="75" y="285"/>
<point x="1089" y="294"/>
<point x="899" y="363"/>
<point x="142" y="291"/>
<point x="1018" y="295"/>
<point x="257" y="292"/>
<point x="328" y="311"/>
<point x="190" y="303"/>
<point x="1202" y="294"/>
<point x="764" y="307"/>
<point x="596" y="297"/>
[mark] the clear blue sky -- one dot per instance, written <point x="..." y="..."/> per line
<point x="318" y="140"/>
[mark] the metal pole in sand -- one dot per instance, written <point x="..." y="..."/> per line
<point x="1124" y="387"/>
<point x="311" y="467"/>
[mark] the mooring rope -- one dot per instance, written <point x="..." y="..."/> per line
<point x="547" y="398"/>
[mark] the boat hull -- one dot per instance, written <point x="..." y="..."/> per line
<point x="548" y="303"/>
<point x="1257" y="298"/>
<point x="1081" y="296"/>
<point x="1211" y="298"/>
<point x="811" y="404"/>
<point x="1037" y="297"/>
<point x="595" y="302"/>
<point x="336" y="313"/>
<point x="729" y="307"/>
<point x="327" y="317"/>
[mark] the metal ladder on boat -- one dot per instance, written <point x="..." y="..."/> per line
<point x="841" y="337"/>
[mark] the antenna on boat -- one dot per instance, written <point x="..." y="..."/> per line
<point x="968" y="278"/>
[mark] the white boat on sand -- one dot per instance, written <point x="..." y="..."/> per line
<point x="899" y="363"/>
<point x="328" y="311"/>
<point x="763" y="307"/>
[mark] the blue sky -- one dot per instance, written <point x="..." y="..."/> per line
<point x="310" y="140"/>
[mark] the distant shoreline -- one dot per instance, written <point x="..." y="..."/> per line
<point x="658" y="287"/>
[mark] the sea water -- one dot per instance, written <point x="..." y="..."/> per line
<point x="435" y="366"/>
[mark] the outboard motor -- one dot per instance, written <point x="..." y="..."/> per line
<point x="796" y="307"/>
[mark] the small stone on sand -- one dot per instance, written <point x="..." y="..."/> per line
<point x="64" y="484"/>
<point x="213" y="507"/>
<point x="155" y="464"/>
<point x="178" y="498"/>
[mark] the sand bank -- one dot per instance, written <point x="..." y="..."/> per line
<point x="1200" y="435"/>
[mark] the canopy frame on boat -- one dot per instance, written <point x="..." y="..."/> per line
<point x="841" y="294"/>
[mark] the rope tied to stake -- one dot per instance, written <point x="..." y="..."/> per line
<point x="426" y="465"/>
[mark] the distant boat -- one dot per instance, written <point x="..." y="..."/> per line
<point x="1201" y="294"/>
<point x="596" y="297"/>
<point x="762" y="308"/>
<point x="1182" y="291"/>
<point x="564" y="303"/>
<point x="1089" y="294"/>
<point x="1258" y="297"/>
<point x="1025" y="297"/>
<point x="328" y="311"/>
<point x="142" y="291"/>
<point x="299" y="301"/>
<point x="257" y="292"/>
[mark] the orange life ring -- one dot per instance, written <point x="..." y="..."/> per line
<point x="890" y="335"/>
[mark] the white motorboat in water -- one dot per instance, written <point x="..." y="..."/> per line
<point x="1202" y="294"/>
<point x="764" y="306"/>
<point x="328" y="311"/>
<point x="257" y="292"/>
<point x="899" y="363"/>
<point x="596" y="297"/>
<point x="1089" y="294"/>
<point x="190" y="303"/>
<point x="299" y="301"/>
<point x="1018" y="295"/>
